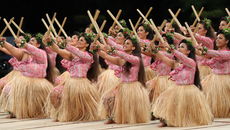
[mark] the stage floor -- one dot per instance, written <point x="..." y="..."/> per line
<point x="48" y="124"/>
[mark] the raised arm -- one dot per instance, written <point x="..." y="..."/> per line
<point x="81" y="54"/>
<point x="62" y="52"/>
<point x="13" y="51"/>
<point x="112" y="59"/>
<point x="5" y="51"/>
<point x="165" y="59"/>
<point x="114" y="44"/>
<point x="40" y="55"/>
<point x="185" y="60"/>
<point x="130" y="58"/>
<point x="206" y="41"/>
<point x="224" y="55"/>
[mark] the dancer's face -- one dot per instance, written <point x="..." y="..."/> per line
<point x="183" y="49"/>
<point x="221" y="41"/>
<point x="128" y="46"/>
<point x="120" y="39"/>
<point x="142" y="34"/>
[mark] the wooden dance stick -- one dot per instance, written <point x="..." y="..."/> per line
<point x="101" y="28"/>
<point x="134" y="30"/>
<point x="226" y="9"/>
<point x="162" y="25"/>
<point x="147" y="14"/>
<point x="114" y="19"/>
<point x="156" y="31"/>
<point x="44" y="22"/>
<point x="96" y="27"/>
<point x="20" y="26"/>
<point x="199" y="14"/>
<point x="103" y="25"/>
<point x="19" y="29"/>
<point x="146" y="20"/>
<point x="62" y="25"/>
<point x="4" y="30"/>
<point x="117" y="17"/>
<point x="177" y="13"/>
<point x="194" y="11"/>
<point x="54" y="16"/>
<point x="95" y="17"/>
<point x="8" y="26"/>
<point x="175" y="19"/>
<point x="51" y="25"/>
<point x="59" y="25"/>
<point x="138" y="21"/>
<point x="191" y="34"/>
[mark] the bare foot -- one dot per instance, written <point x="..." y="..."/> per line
<point x="110" y="121"/>
<point x="11" y="116"/>
<point x="162" y="124"/>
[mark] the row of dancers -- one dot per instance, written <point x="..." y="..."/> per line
<point x="121" y="77"/>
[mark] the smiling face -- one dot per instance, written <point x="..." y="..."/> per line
<point x="128" y="46"/>
<point x="222" y="25"/>
<point x="201" y="30"/>
<point x="74" y="40"/>
<point x="183" y="48"/>
<point x="120" y="39"/>
<point x="142" y="34"/>
<point x="82" y="43"/>
<point x="34" y="42"/>
<point x="221" y="41"/>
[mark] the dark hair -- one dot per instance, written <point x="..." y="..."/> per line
<point x="49" y="69"/>
<point x="226" y="33"/>
<point x="192" y="55"/>
<point x="93" y="72"/>
<point x="169" y="38"/>
<point x="225" y="19"/>
<point x="136" y="52"/>
<point x="148" y="29"/>
<point x="208" y="26"/>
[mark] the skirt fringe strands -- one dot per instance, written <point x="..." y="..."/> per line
<point x="217" y="91"/>
<point x="106" y="81"/>
<point x="183" y="106"/>
<point x="79" y="101"/>
<point x="149" y="73"/>
<point x="131" y="104"/>
<point x="4" y="80"/>
<point x="158" y="85"/>
<point x="27" y="96"/>
<point x="204" y="71"/>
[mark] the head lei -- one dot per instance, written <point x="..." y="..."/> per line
<point x="126" y="32"/>
<point x="146" y="25"/>
<point x="226" y="33"/>
<point x="89" y="37"/>
<point x="123" y="23"/>
<point x="134" y="39"/>
<point x="38" y="37"/>
<point x="228" y="18"/>
<point x="187" y="42"/>
<point x="207" y="22"/>
<point x="27" y="36"/>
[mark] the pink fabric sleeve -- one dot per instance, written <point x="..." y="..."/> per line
<point x="185" y="60"/>
<point x="224" y="55"/>
<point x="39" y="55"/>
<point x="33" y="69"/>
<point x="206" y="41"/>
<point x="130" y="58"/>
<point x="114" y="44"/>
<point x="85" y="56"/>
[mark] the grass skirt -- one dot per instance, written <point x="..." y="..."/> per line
<point x="183" y="106"/>
<point x="4" y="80"/>
<point x="158" y="85"/>
<point x="122" y="103"/>
<point x="149" y="73"/>
<point x="27" y="96"/>
<point x="106" y="81"/>
<point x="204" y="71"/>
<point x="79" y="102"/>
<point x="217" y="91"/>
